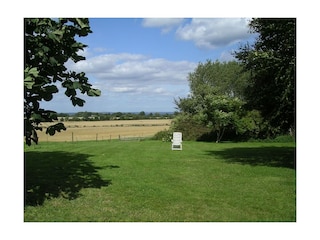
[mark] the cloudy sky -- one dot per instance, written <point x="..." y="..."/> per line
<point x="143" y="64"/>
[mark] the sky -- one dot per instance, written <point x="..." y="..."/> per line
<point x="142" y="64"/>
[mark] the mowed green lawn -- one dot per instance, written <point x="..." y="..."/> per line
<point x="146" y="181"/>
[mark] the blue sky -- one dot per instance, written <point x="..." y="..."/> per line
<point x="143" y="64"/>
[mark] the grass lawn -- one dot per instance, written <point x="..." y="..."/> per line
<point x="146" y="181"/>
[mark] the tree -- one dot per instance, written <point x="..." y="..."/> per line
<point x="219" y="113"/>
<point x="215" y="100"/>
<point x="192" y="128"/>
<point x="216" y="112"/>
<point x="49" y="44"/>
<point x="142" y="114"/>
<point x="250" y="125"/>
<point x="271" y="61"/>
<point x="227" y="78"/>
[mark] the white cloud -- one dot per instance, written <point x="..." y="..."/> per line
<point x="166" y="24"/>
<point x="210" y="33"/>
<point x="129" y="83"/>
<point x="136" y="74"/>
<point x="106" y="63"/>
<point x="122" y="89"/>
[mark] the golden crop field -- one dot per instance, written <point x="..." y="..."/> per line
<point x="105" y="130"/>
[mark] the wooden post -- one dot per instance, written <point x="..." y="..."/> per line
<point x="72" y="136"/>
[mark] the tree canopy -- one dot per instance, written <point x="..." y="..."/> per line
<point x="222" y="78"/>
<point x="215" y="100"/>
<point x="271" y="61"/>
<point x="49" y="44"/>
<point x="255" y="96"/>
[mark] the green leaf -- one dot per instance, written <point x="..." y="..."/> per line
<point x="29" y="77"/>
<point x="53" y="37"/>
<point x="51" y="89"/>
<point x="34" y="72"/>
<point x="45" y="49"/>
<point x="29" y="82"/>
<point x="59" y="33"/>
<point x="82" y="23"/>
<point x="68" y="84"/>
<point x="77" y="101"/>
<point x="77" y="58"/>
<point x="56" y="35"/>
<point x="36" y="116"/>
<point x="94" y="92"/>
<point x="76" y="85"/>
<point x="53" y="61"/>
<point x="47" y="96"/>
<point x="78" y="45"/>
<point x="51" y="130"/>
<point x="70" y="92"/>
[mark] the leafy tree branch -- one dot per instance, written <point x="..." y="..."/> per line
<point x="49" y="44"/>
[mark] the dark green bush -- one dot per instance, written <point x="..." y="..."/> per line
<point x="191" y="129"/>
<point x="164" y="136"/>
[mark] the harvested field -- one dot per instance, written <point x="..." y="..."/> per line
<point x="106" y="130"/>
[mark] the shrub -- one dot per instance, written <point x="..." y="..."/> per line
<point x="164" y="136"/>
<point x="191" y="129"/>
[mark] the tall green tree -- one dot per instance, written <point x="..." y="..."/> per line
<point x="222" y="78"/>
<point x="49" y="44"/>
<point x="216" y="96"/>
<point x="271" y="61"/>
<point x="220" y="112"/>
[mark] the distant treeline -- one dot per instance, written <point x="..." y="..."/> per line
<point x="96" y="116"/>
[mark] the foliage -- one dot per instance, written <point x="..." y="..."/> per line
<point x="220" y="112"/>
<point x="216" y="96"/>
<point x="254" y="97"/>
<point x="49" y="44"/>
<point x="250" y="125"/>
<point x="271" y="61"/>
<point x="191" y="128"/>
<point x="98" y="116"/>
<point x="165" y="135"/>
<point x="226" y="78"/>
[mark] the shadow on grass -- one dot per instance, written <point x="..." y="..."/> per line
<point x="54" y="174"/>
<point x="260" y="156"/>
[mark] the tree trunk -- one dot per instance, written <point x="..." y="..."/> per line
<point x="220" y="135"/>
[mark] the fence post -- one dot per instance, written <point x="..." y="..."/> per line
<point x="72" y="136"/>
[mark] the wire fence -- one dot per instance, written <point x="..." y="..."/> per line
<point x="102" y="131"/>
